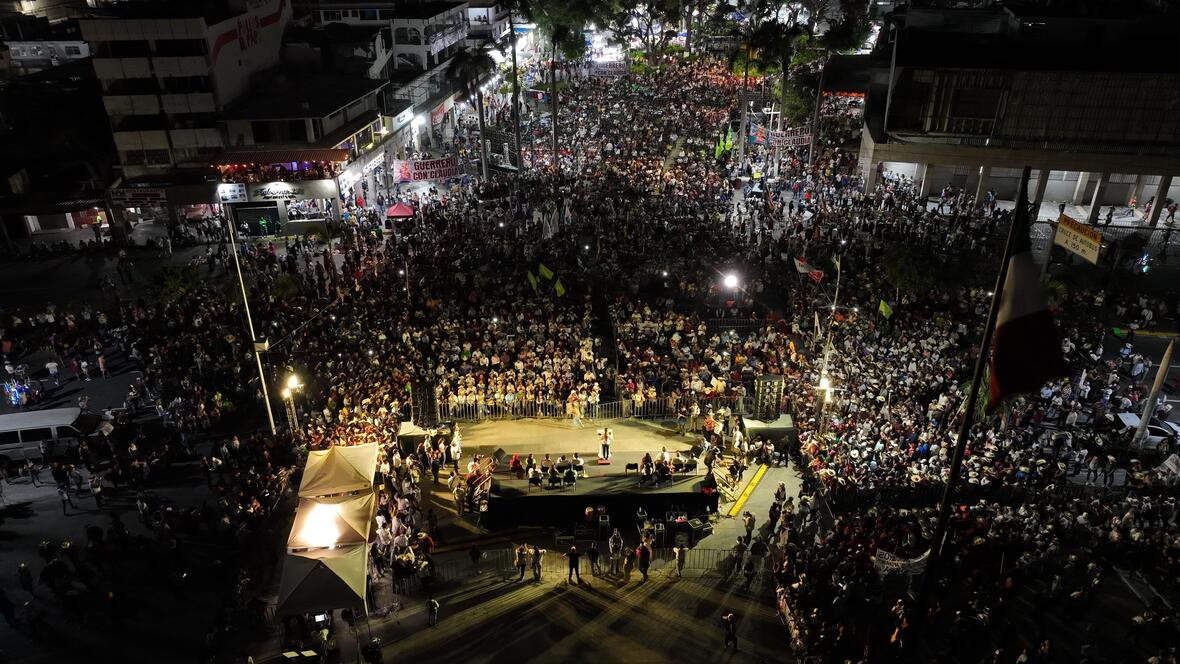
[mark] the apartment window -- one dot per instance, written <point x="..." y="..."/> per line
<point x="178" y="85"/>
<point x="73" y="50"/>
<point x="156" y="157"/>
<point x="131" y="86"/>
<point x="368" y="14"/>
<point x="132" y="48"/>
<point x="180" y="47"/>
<point x="133" y="158"/>
<point x="262" y="131"/>
<point x="18" y="52"/>
<point x="386" y="14"/>
<point x="329" y="16"/>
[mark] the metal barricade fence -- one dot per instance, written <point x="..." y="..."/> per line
<point x="666" y="408"/>
<point x="500" y="562"/>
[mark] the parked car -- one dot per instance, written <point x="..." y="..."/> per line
<point x="1161" y="436"/>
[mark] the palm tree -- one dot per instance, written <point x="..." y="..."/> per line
<point x="563" y="22"/>
<point x="468" y="69"/>
<point x="515" y="89"/>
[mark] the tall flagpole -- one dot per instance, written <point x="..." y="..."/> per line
<point x="944" y="509"/>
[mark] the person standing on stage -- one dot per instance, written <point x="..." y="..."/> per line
<point x="605" y="437"/>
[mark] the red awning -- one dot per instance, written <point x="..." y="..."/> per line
<point x="400" y="211"/>
<point x="279" y="156"/>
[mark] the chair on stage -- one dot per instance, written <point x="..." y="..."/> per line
<point x="555" y="481"/>
<point x="537" y="482"/>
<point x="570" y="478"/>
<point x="690" y="467"/>
<point x="630" y="467"/>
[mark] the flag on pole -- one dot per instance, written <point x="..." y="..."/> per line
<point x="532" y="280"/>
<point x="545" y="272"/>
<point x="885" y="309"/>
<point x="558" y="288"/>
<point x="836" y="261"/>
<point x="1025" y="348"/>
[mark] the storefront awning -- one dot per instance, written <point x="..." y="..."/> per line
<point x="399" y="211"/>
<point x="47" y="204"/>
<point x="279" y="156"/>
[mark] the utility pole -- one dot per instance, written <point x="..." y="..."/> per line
<point x="1153" y="397"/>
<point x="258" y="348"/>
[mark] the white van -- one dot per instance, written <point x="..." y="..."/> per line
<point x="22" y="434"/>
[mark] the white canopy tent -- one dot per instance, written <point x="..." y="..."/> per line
<point x="324" y="579"/>
<point x="339" y="469"/>
<point x="332" y="521"/>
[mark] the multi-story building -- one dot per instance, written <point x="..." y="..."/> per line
<point x="30" y="57"/>
<point x="52" y="10"/>
<point x="426" y="35"/>
<point x="488" y="21"/>
<point x="970" y="97"/>
<point x="169" y="68"/>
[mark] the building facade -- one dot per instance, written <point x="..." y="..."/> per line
<point x="167" y="75"/>
<point x="970" y="97"/>
<point x="30" y="57"/>
<point x="487" y="20"/>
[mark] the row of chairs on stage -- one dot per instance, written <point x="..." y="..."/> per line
<point x="658" y="474"/>
<point x="562" y="480"/>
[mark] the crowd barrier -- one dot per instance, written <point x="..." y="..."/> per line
<point x="662" y="408"/>
<point x="501" y="562"/>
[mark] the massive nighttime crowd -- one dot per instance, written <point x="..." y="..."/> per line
<point x="639" y="218"/>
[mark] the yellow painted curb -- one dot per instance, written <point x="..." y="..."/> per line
<point x="741" y="501"/>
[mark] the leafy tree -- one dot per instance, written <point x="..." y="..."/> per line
<point x="909" y="268"/>
<point x="850" y="31"/>
<point x="467" y="69"/>
<point x="174" y="282"/>
<point x="653" y="24"/>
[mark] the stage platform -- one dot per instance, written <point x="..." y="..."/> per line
<point x="611" y="486"/>
<point x="557" y="437"/>
<point x="515" y="503"/>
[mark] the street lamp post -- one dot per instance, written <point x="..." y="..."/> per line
<point x="258" y="347"/>
<point x="293" y="386"/>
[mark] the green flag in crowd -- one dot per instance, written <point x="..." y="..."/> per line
<point x="545" y="272"/>
<point x="885" y="309"/>
<point x="558" y="288"/>
<point x="532" y="280"/>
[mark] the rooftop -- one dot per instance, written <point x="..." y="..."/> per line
<point x="996" y="38"/>
<point x="314" y="96"/>
<point x="410" y="10"/>
<point x="213" y="11"/>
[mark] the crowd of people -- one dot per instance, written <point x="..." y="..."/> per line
<point x="602" y="274"/>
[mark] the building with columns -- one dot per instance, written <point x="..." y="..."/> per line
<point x="970" y="97"/>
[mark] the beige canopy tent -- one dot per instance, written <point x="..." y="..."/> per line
<point x="332" y="521"/>
<point x="324" y="579"/>
<point x="338" y="469"/>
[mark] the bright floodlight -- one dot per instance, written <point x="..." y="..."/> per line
<point x="731" y="281"/>
<point x="321" y="528"/>
<point x="293" y="382"/>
